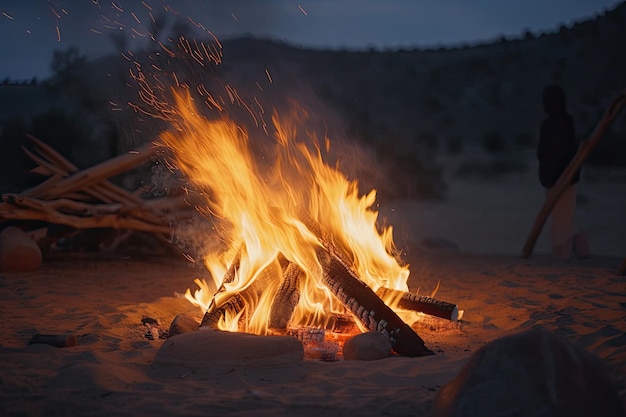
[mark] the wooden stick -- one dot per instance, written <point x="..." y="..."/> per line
<point x="566" y="177"/>
<point x="97" y="173"/>
<point x="231" y="307"/>
<point x="421" y="303"/>
<point x="105" y="191"/>
<point x="286" y="298"/>
<point x="63" y="205"/>
<point x="113" y="221"/>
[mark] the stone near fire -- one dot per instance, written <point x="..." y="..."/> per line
<point x="533" y="373"/>
<point x="209" y="348"/>
<point x="368" y="346"/>
<point x="18" y="252"/>
<point x="183" y="323"/>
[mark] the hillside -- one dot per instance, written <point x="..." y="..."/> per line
<point x="421" y="115"/>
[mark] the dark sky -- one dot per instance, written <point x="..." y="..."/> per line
<point x="31" y="29"/>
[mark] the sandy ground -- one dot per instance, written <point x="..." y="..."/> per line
<point x="111" y="370"/>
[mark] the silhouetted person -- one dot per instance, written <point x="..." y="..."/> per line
<point x="556" y="148"/>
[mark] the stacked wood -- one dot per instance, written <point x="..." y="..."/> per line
<point x="87" y="199"/>
<point x="341" y="278"/>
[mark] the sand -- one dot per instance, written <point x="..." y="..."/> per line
<point x="110" y="372"/>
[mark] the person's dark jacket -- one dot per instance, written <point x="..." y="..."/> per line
<point x="557" y="139"/>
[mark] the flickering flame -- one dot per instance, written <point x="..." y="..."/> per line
<point x="256" y="200"/>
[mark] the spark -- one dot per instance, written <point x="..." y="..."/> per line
<point x="58" y="33"/>
<point x="58" y="16"/>
<point x="269" y="77"/>
<point x="171" y="9"/>
<point x="136" y="32"/>
<point x="8" y="16"/>
<point x="235" y="17"/>
<point x="302" y="10"/>
<point x="259" y="104"/>
<point x="197" y="24"/>
<point x="96" y="31"/>
<point x="146" y="5"/>
<point x="135" y="16"/>
<point x="117" y="7"/>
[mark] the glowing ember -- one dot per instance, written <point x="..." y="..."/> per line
<point x="257" y="201"/>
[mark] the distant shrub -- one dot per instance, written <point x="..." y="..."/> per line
<point x="610" y="151"/>
<point x="58" y="129"/>
<point x="492" y="169"/>
<point x="454" y="145"/>
<point x="432" y="103"/>
<point x="525" y="140"/>
<point x="14" y="163"/>
<point x="429" y="139"/>
<point x="493" y="142"/>
<point x="410" y="176"/>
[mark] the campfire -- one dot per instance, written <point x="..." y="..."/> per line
<point x="295" y="246"/>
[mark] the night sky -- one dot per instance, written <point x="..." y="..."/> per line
<point x="31" y="29"/>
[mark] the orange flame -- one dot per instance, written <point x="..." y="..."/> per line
<point x="255" y="199"/>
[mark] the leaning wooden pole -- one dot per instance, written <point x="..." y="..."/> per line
<point x="564" y="180"/>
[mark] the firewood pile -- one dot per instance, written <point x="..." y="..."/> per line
<point x="81" y="200"/>
<point x="361" y="303"/>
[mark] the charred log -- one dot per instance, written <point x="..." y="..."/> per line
<point x="368" y="308"/>
<point x="230" y="308"/>
<point x="421" y="303"/>
<point x="286" y="298"/>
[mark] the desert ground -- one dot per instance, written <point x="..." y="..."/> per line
<point x="469" y="243"/>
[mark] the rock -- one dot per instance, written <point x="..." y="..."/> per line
<point x="18" y="252"/>
<point x="182" y="323"/>
<point x="533" y="373"/>
<point x="218" y="349"/>
<point x="367" y="347"/>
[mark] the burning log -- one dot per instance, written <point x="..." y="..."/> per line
<point x="286" y="298"/>
<point x="360" y="299"/>
<point x="372" y="312"/>
<point x="231" y="307"/>
<point x="211" y="313"/>
<point x="421" y="303"/>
